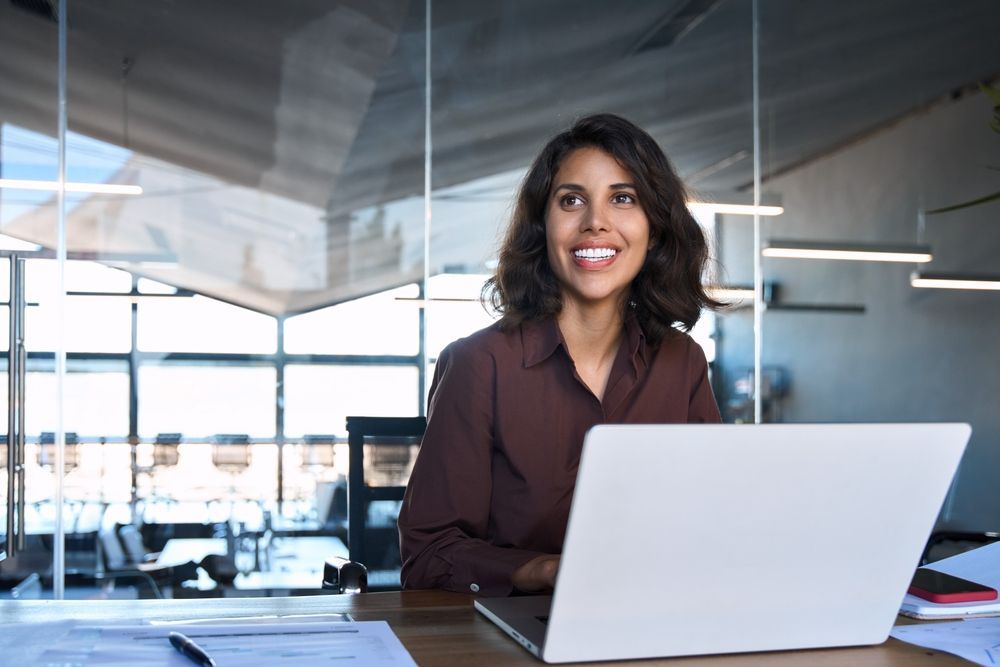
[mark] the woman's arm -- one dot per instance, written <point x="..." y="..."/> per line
<point x="444" y="521"/>
<point x="702" y="408"/>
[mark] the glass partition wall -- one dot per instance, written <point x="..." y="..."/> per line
<point x="877" y="147"/>
<point x="28" y="152"/>
<point x="866" y="132"/>
<point x="245" y="244"/>
<point x="278" y="217"/>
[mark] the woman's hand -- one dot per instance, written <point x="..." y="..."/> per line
<point x="538" y="574"/>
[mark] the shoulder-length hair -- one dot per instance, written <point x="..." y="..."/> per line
<point x="668" y="290"/>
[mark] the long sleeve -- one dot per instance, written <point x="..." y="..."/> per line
<point x="444" y="522"/>
<point x="702" y="409"/>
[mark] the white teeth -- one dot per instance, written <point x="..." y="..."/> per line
<point x="594" y="253"/>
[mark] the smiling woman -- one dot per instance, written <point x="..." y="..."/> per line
<point x="598" y="278"/>
<point x="596" y="232"/>
<point x="621" y="158"/>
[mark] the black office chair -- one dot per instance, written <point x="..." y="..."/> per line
<point x="134" y="548"/>
<point x="47" y="450"/>
<point x="389" y="443"/>
<point x="116" y="566"/>
<point x="166" y="452"/>
<point x="231" y="452"/>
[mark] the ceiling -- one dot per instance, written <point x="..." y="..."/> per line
<point x="281" y="146"/>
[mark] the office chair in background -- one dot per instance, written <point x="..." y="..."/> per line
<point x="117" y="565"/>
<point x="389" y="444"/>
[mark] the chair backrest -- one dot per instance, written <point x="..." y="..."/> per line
<point x="390" y="442"/>
<point x="165" y="449"/>
<point x="231" y="452"/>
<point x="131" y="540"/>
<point x="318" y="450"/>
<point x="112" y="554"/>
<point x="47" y="450"/>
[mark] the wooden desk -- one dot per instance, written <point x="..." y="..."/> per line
<point x="439" y="628"/>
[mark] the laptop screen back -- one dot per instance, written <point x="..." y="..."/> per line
<point x="691" y="539"/>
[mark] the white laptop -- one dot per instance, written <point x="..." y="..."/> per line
<point x="695" y="539"/>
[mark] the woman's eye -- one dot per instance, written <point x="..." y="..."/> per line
<point x="571" y="200"/>
<point x="623" y="198"/>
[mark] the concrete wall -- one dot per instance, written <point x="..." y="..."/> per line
<point x="914" y="355"/>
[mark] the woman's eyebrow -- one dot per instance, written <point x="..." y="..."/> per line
<point x="575" y="186"/>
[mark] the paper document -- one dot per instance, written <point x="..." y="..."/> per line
<point x="333" y="617"/>
<point x="980" y="565"/>
<point x="23" y="643"/>
<point x="976" y="639"/>
<point x="231" y="645"/>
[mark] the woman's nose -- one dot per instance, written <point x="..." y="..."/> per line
<point x="596" y="219"/>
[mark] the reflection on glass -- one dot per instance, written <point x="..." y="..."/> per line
<point x="469" y="219"/>
<point x="28" y="213"/>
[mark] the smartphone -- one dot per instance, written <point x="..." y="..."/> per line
<point x="943" y="588"/>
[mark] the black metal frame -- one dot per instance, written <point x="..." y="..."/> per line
<point x="359" y="495"/>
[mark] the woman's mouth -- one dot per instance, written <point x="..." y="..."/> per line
<point x="594" y="257"/>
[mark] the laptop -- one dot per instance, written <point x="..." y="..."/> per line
<point x="697" y="539"/>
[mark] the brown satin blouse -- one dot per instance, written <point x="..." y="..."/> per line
<point x="492" y="484"/>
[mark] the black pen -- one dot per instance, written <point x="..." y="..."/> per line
<point x="194" y="652"/>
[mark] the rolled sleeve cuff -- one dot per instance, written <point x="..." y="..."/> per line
<point x="486" y="570"/>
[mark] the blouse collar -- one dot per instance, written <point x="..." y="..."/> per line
<point x="540" y="338"/>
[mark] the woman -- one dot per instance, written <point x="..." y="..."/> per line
<point x="600" y="267"/>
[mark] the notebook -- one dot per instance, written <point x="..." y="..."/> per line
<point x="980" y="565"/>
<point x="696" y="539"/>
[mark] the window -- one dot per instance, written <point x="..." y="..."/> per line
<point x="318" y="399"/>
<point x="200" y="324"/>
<point x="376" y="324"/>
<point x="92" y="323"/>
<point x="96" y="402"/>
<point x="455" y="310"/>
<point x="200" y="401"/>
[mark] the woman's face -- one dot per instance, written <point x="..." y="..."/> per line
<point x="595" y="228"/>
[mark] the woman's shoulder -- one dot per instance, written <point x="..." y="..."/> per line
<point x="488" y="343"/>
<point x="677" y="344"/>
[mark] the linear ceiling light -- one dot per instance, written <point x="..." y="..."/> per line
<point x="954" y="281"/>
<point x="736" y="209"/>
<point x="730" y="293"/>
<point x="848" y="251"/>
<point x="53" y="186"/>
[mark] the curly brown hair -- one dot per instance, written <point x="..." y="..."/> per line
<point x="668" y="291"/>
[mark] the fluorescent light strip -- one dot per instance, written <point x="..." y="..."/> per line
<point x="736" y="209"/>
<point x="422" y="303"/>
<point x="850" y="255"/>
<point x="53" y="186"/>
<point x="847" y="251"/>
<point x="941" y="281"/>
<point x="131" y="297"/>
<point x="730" y="293"/>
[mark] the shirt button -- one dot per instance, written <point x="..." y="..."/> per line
<point x="474" y="588"/>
